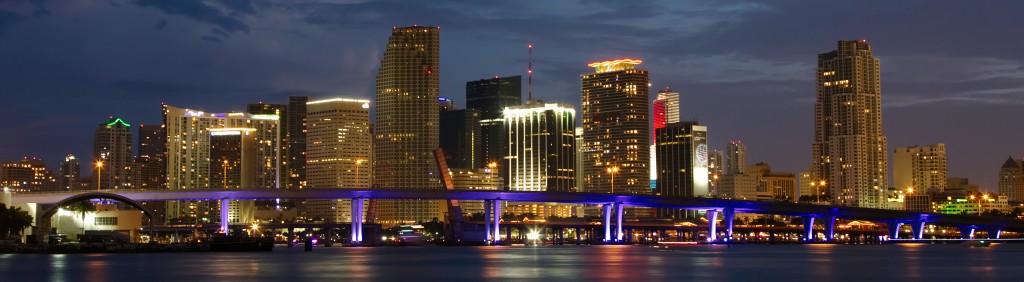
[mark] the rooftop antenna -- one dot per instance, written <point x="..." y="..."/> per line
<point x="529" y="74"/>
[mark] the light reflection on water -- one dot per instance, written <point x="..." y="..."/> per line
<point x="631" y="263"/>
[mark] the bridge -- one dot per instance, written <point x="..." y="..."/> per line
<point x="612" y="208"/>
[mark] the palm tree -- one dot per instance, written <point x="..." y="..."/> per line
<point x="13" y="220"/>
<point x="81" y="207"/>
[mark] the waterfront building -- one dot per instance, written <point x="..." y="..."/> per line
<point x="490" y="97"/>
<point x="474" y="179"/>
<point x="615" y="111"/>
<point x="849" y="147"/>
<point x="542" y="147"/>
<point x="974" y="204"/>
<point x="920" y="169"/>
<point x="112" y="154"/>
<point x="459" y="136"/>
<point x="339" y="153"/>
<point x="70" y="173"/>
<point x="1011" y="180"/>
<point x="29" y="174"/>
<point x="406" y="132"/>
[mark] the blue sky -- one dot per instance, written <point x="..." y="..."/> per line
<point x="951" y="70"/>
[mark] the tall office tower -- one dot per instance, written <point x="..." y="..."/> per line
<point x="339" y="153"/>
<point x="189" y="154"/>
<point x="666" y="108"/>
<point x="682" y="160"/>
<point x="580" y="152"/>
<point x="736" y="158"/>
<point x="460" y="138"/>
<point x="152" y="157"/>
<point x="406" y="131"/>
<point x="918" y="169"/>
<point x="715" y="170"/>
<point x="615" y="127"/>
<point x="295" y="132"/>
<point x="70" y="173"/>
<point x="849" y="148"/>
<point x="29" y="174"/>
<point x="233" y="165"/>
<point x="280" y="153"/>
<point x="112" y="154"/>
<point x="1011" y="180"/>
<point x="542" y="147"/>
<point x="491" y="96"/>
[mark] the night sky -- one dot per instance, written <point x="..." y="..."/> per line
<point x="951" y="70"/>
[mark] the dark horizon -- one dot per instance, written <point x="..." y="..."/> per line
<point x="746" y="70"/>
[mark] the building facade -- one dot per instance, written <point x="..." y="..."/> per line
<point x="29" y="174"/>
<point x="112" y="154"/>
<point x="460" y="138"/>
<point x="406" y="131"/>
<point x="1011" y="180"/>
<point x="339" y="154"/>
<point x="849" y="148"/>
<point x="490" y="97"/>
<point x="736" y="157"/>
<point x="615" y="127"/>
<point x="152" y="157"/>
<point x="295" y="136"/>
<point x="918" y="169"/>
<point x="70" y="173"/>
<point x="682" y="160"/>
<point x="541" y="147"/>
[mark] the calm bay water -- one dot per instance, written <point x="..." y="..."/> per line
<point x="548" y="263"/>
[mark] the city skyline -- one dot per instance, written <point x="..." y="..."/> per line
<point x="912" y="81"/>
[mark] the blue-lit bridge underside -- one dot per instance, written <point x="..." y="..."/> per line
<point x="728" y="207"/>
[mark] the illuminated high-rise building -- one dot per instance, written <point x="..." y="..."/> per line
<point x="490" y="97"/>
<point x="665" y="109"/>
<point x="406" y="130"/>
<point x="29" y="174"/>
<point x="233" y="165"/>
<point x="112" y="154"/>
<point x="70" y="173"/>
<point x="295" y="136"/>
<point x="849" y="147"/>
<point x="736" y="158"/>
<point x="542" y="147"/>
<point x="682" y="160"/>
<point x="152" y="157"/>
<point x="280" y="153"/>
<point x="1011" y="179"/>
<point x="615" y="128"/>
<point x="917" y="169"/>
<point x="339" y="143"/>
<point x="189" y="159"/>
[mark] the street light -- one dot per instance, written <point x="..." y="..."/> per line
<point x="613" y="170"/>
<point x="358" y="162"/>
<point x="99" y="175"/>
<point x="492" y="166"/>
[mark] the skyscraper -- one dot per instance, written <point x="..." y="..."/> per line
<point x="1011" y="179"/>
<point x="279" y="153"/>
<point x="736" y="158"/>
<point x="615" y="127"/>
<point x="152" y="158"/>
<point x="682" y="160"/>
<point x="70" y="173"/>
<point x="295" y="131"/>
<point x="917" y="169"/>
<point x="491" y="96"/>
<point x="542" y="147"/>
<point x="234" y="165"/>
<point x="406" y="131"/>
<point x="112" y="154"/>
<point x="460" y="138"/>
<point x="339" y="153"/>
<point x="666" y="108"/>
<point x="849" y="148"/>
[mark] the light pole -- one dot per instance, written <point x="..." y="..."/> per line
<point x="613" y="170"/>
<point x="225" y="167"/>
<point x="358" y="162"/>
<point x="99" y="175"/>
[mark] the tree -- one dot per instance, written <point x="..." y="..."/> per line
<point x="13" y="220"/>
<point x="81" y="207"/>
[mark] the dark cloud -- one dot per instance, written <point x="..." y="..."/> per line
<point x="213" y="39"/>
<point x="8" y="18"/>
<point x="229" y="20"/>
<point x="160" y="25"/>
<point x="148" y="87"/>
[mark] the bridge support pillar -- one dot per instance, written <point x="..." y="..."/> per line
<point x="487" y="222"/>
<point x="967" y="232"/>
<point x="729" y="215"/>
<point x="225" y="206"/>
<point x="993" y="232"/>
<point x="808" y="227"/>
<point x="618" y="222"/>
<point x="830" y="228"/>
<point x="894" y="229"/>
<point x="918" y="229"/>
<point x="357" y="220"/>
<point x="496" y="203"/>
<point x="607" y="212"/>
<point x="712" y="216"/>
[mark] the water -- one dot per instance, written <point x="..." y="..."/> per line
<point x="548" y="263"/>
